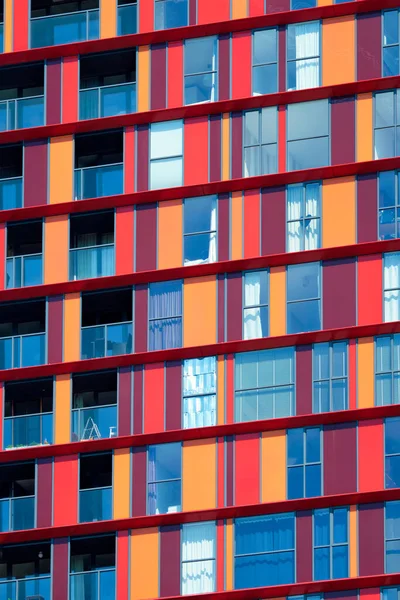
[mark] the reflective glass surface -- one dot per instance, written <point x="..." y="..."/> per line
<point x="106" y="340"/>
<point x="24" y="271"/>
<point x="170" y="13"/>
<point x="105" y="418"/>
<point x="65" y="28"/>
<point x="127" y="19"/>
<point x="107" y="101"/>
<point x="85" y="263"/>
<point x="94" y="182"/>
<point x="93" y="585"/>
<point x="95" y="505"/>
<point x="10" y="193"/>
<point x="28" y="430"/>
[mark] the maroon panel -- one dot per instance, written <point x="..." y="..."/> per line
<point x="158" y="85"/>
<point x="237" y="144"/>
<point x="281" y="59"/>
<point x="139" y="481"/>
<point x="141" y="318"/>
<point x="124" y="401"/>
<point x="371" y="527"/>
<point x="229" y="477"/>
<point x="340" y="458"/>
<point x="44" y="497"/>
<point x="35" y="173"/>
<point x="303" y="380"/>
<point x="369" y="46"/>
<point x="60" y="570"/>
<point x="192" y="12"/>
<point x="170" y="561"/>
<point x="343" y="131"/>
<point x="348" y="595"/>
<point x="142" y="160"/>
<point x="304" y="546"/>
<point x="55" y="329"/>
<point x="223" y="227"/>
<point x="215" y="148"/>
<point x="367" y="208"/>
<point x="339" y="294"/>
<point x="224" y="67"/>
<point x="221" y="307"/>
<point x="234" y="306"/>
<point x="173" y="402"/>
<point x="274" y="6"/>
<point x="138" y="399"/>
<point x="53" y="92"/>
<point x="146" y="237"/>
<point x="273" y="220"/>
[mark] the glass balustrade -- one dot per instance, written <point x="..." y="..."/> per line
<point x="97" y="261"/>
<point x="28" y="430"/>
<point x="20" y="113"/>
<point x="25" y="270"/>
<point x="35" y="588"/>
<point x="92" y="585"/>
<point x="94" y="182"/>
<point x="10" y="193"/>
<point x="104" y="417"/>
<point x="107" y="101"/>
<point x="17" y="513"/>
<point x="106" y="340"/>
<point x="95" y="505"/>
<point x="1" y="37"/>
<point x="65" y="28"/>
<point x="22" y="351"/>
<point x="127" y="19"/>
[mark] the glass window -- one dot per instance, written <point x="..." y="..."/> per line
<point x="170" y="13"/>
<point x="200" y="230"/>
<point x="265" y="61"/>
<point x="391" y="593"/>
<point x="264" y="550"/>
<point x="164" y="470"/>
<point x="308" y="135"/>
<point x="389" y="206"/>
<point x="392" y="536"/>
<point x="298" y="4"/>
<point x="303" y="297"/>
<point x="303" y="216"/>
<point x="386" y="124"/>
<point x="264" y="384"/>
<point x="330" y="377"/>
<point x="260" y="141"/>
<point x="391" y="286"/>
<point x="392" y="453"/>
<point x="390" y="43"/>
<point x="199" y="392"/>
<point x="304" y="468"/>
<point x="198" y="558"/>
<point x="255" y="309"/>
<point x="387" y="370"/>
<point x="303" y="55"/>
<point x="165" y="315"/>
<point x="201" y="70"/>
<point x="331" y="543"/>
<point x="166" y="154"/>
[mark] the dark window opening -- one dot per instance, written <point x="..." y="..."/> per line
<point x="11" y="161"/>
<point x="95" y="471"/>
<point x="96" y="149"/>
<point x="22" y="81"/>
<point x="27" y="560"/>
<point x="17" y="480"/>
<point x="43" y="8"/>
<point x="28" y="397"/>
<point x="112" y="306"/>
<point x="93" y="229"/>
<point x="94" y="389"/>
<point x="108" y="68"/>
<point x="21" y="318"/>
<point x="24" y="237"/>
<point x="91" y="553"/>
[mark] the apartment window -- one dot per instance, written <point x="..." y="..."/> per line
<point x="127" y="17"/>
<point x="91" y="245"/>
<point x="164" y="479"/>
<point x="303" y="217"/>
<point x="389" y="206"/>
<point x="92" y="568"/>
<point x="255" y="305"/>
<point x="166" y="154"/>
<point x="303" y="297"/>
<point x="331" y="543"/>
<point x="308" y="135"/>
<point x="17" y="496"/>
<point x="198" y="558"/>
<point x="303" y="55"/>
<point x="199" y="392"/>
<point x="392" y="537"/>
<point x="22" y="96"/>
<point x="390" y="43"/>
<point x="386" y="124"/>
<point x="94" y="405"/>
<point x="264" y="550"/>
<point x="165" y="315"/>
<point x="26" y="570"/>
<point x="299" y="4"/>
<point x="304" y="463"/>
<point x="11" y="171"/>
<point x="200" y="76"/>
<point x="200" y="230"/>
<point x="392" y="593"/>
<point x="24" y="264"/>
<point x="264" y="384"/>
<point x="330" y="377"/>
<point x="391" y="286"/>
<point x="387" y="370"/>
<point x="392" y="453"/>
<point x="260" y="141"/>
<point x="170" y="13"/>
<point x="265" y="61"/>
<point x="23" y="334"/>
<point x="95" y="487"/>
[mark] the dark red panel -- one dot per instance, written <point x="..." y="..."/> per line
<point x="60" y="570"/>
<point x="170" y="561"/>
<point x="138" y="399"/>
<point x="304" y="380"/>
<point x="124" y="401"/>
<point x="223" y="227"/>
<point x="139" y="480"/>
<point x="304" y="546"/>
<point x="55" y="329"/>
<point x="343" y="131"/>
<point x="349" y="595"/>
<point x="141" y="318"/>
<point x="192" y="12"/>
<point x="339" y="293"/>
<point x="340" y="458"/>
<point x="371" y="527"/>
<point x="229" y="473"/>
<point x="146" y="237"/>
<point x="281" y="59"/>
<point x="35" y="173"/>
<point x="274" y="6"/>
<point x="173" y="389"/>
<point x="221" y="307"/>
<point x="215" y="148"/>
<point x="158" y="76"/>
<point x="369" y="46"/>
<point x="367" y="208"/>
<point x="44" y="498"/>
<point x="224" y="67"/>
<point x="237" y="144"/>
<point x="234" y="306"/>
<point x="53" y="92"/>
<point x="142" y="169"/>
<point x="273" y="220"/>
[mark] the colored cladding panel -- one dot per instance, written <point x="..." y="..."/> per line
<point x="2" y="410"/>
<point x="123" y="565"/>
<point x="236" y="225"/>
<point x="143" y="77"/>
<point x="65" y="499"/>
<point x="370" y="455"/>
<point x="241" y="58"/>
<point x="142" y="168"/>
<point x="154" y="398"/>
<point x="343" y="131"/>
<point x="21" y="25"/>
<point x="229" y="409"/>
<point x="369" y="46"/>
<point x="247" y="469"/>
<point x="173" y="395"/>
<point x="304" y="546"/>
<point x="220" y="472"/>
<point x="352" y="374"/>
<point x="175" y="74"/>
<point x="229" y="470"/>
<point x="220" y="574"/>
<point x="158" y="83"/>
<point x="339" y="283"/>
<point x="139" y="477"/>
<point x="146" y="237"/>
<point x="212" y="12"/>
<point x="56" y="245"/>
<point x="138" y="378"/>
<point x="221" y="390"/>
<point x="223" y="226"/>
<point x="224" y="67"/>
<point x="273" y="466"/>
<point x="124" y="401"/>
<point x="353" y="537"/>
<point x="229" y="553"/>
<point x="338" y="212"/>
<point x="338" y="60"/>
<point x="364" y="127"/>
<point x="237" y="144"/>
<point x="367" y="208"/>
<point x="370" y="289"/>
<point x="170" y="561"/>
<point x="170" y="234"/>
<point x="124" y="239"/>
<point x="70" y="89"/>
<point x="192" y="12"/>
<point x="60" y="569"/>
<point x="370" y="594"/>
<point x="199" y="474"/>
<point x="196" y="150"/>
<point x="144" y="563"/>
<point x="146" y="16"/>
<point x="61" y="169"/>
<point x="55" y="329"/>
<point x="303" y="380"/>
<point x="200" y="311"/>
<point x="273" y="220"/>
<point x="44" y="494"/>
<point x="256" y="8"/>
<point x="251" y="223"/>
<point x="62" y="409"/>
<point x="282" y="139"/>
<point x="121" y="483"/>
<point x="53" y="91"/>
<point x="274" y="6"/>
<point x="141" y="294"/>
<point x="282" y="58"/>
<point x="221" y="308"/>
<point x="8" y="25"/>
<point x="239" y="9"/>
<point x="72" y="325"/>
<point x="371" y="535"/>
<point x="226" y="153"/>
<point x="277" y="298"/>
<point x="35" y="173"/>
<point x="234" y="307"/>
<point x="129" y="160"/>
<point x="346" y="595"/>
<point x="215" y="148"/>
<point x="108" y="18"/>
<point x="340" y="458"/>
<point x="365" y="372"/>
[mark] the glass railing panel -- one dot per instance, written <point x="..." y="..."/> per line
<point x="30" y="112"/>
<point x="65" y="28"/>
<point x="5" y="514"/>
<point x="107" y="101"/>
<point x="93" y="585"/>
<point x="33" y="350"/>
<point x="28" y="430"/>
<point x="106" y="340"/>
<point x="10" y="193"/>
<point x="94" y="182"/>
<point x="89" y="104"/>
<point x="127" y="19"/>
<point x="36" y="588"/>
<point x="8" y="590"/>
<point x="95" y="505"/>
<point x="23" y="271"/>
<point x="22" y="513"/>
<point x="104" y="417"/>
<point x="119" y="339"/>
<point x="93" y="342"/>
<point x="85" y="263"/>
<point x="107" y="585"/>
<point x="1" y="37"/>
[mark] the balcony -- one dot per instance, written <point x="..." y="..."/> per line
<point x="20" y="113"/>
<point x="34" y="588"/>
<point x="91" y="245"/>
<point x="11" y="177"/>
<point x="94" y="585"/>
<point x="24" y="270"/>
<point x="127" y="17"/>
<point x="107" y="101"/>
<point x="94" y="405"/>
<point x="1" y="37"/>
<point x="94" y="182"/>
<point x="95" y="487"/>
<point x="24" y="254"/>
<point x="17" y="496"/>
<point x="28" y="430"/>
<point x="28" y="568"/>
<point x="66" y="28"/>
<point x="92" y="568"/>
<point x="106" y="340"/>
<point x="22" y="351"/>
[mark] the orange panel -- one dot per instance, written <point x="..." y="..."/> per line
<point x="369" y="289"/>
<point x="365" y="128"/>
<point x="70" y="89"/>
<point x="353" y="542"/>
<point x="56" y="246"/>
<point x="61" y="169"/>
<point x="108" y="18"/>
<point x="65" y="500"/>
<point x="241" y="58"/>
<point x="273" y="466"/>
<point x="154" y="398"/>
<point x="8" y="25"/>
<point x="365" y="372"/>
<point x="370" y="455"/>
<point x="211" y="12"/>
<point x="200" y="311"/>
<point x="72" y="325"/>
<point x="229" y="554"/>
<point x="221" y="390"/>
<point x="62" y="409"/>
<point x="121" y="483"/>
<point x="143" y="77"/>
<point x="338" y="212"/>
<point x="196" y="150"/>
<point x="144" y="561"/>
<point x="251" y="223"/>
<point x="338" y="60"/>
<point x="239" y="9"/>
<point x="170" y="233"/>
<point x="277" y="299"/>
<point x="199" y="474"/>
<point x="236" y="225"/>
<point x="175" y="74"/>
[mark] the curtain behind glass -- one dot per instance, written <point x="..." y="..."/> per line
<point x="199" y="392"/>
<point x="252" y="297"/>
<point x="198" y="558"/>
<point x="165" y="326"/>
<point x="392" y="284"/>
<point x="294" y="214"/>
<point x="307" y="45"/>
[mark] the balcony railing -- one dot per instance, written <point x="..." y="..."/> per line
<point x="22" y="351"/>
<point x="127" y="19"/>
<point x="107" y="101"/>
<point x="95" y="505"/>
<point x="106" y="340"/>
<point x="104" y="417"/>
<point x="1" y="37"/>
<point x="17" y="513"/>
<point x="92" y="585"/>
<point x="94" y="182"/>
<point x="35" y="588"/>
<point x="65" y="28"/>
<point x="20" y="113"/>
<point x="28" y="430"/>
<point x="24" y="270"/>
<point x="10" y="193"/>
<point x="95" y="261"/>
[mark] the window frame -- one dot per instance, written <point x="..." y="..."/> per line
<point x="386" y="539"/>
<point x="383" y="45"/>
<point x="395" y="126"/>
<point x="158" y="319"/>
<point x="303" y="219"/>
<point x="165" y="2"/>
<point x="320" y="298"/>
<point x="210" y="232"/>
<point x="255" y="306"/>
<point x="260" y="145"/>
<point x="294" y="60"/>
<point x="319" y="137"/>
<point x="392" y="371"/>
<point x="166" y="158"/>
<point x="253" y="66"/>
<point x="330" y="378"/>
<point x="305" y="464"/>
<point x="214" y="72"/>
<point x="199" y="395"/>
<point x="157" y="481"/>
<point x="331" y="542"/>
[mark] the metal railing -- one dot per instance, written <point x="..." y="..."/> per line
<point x="22" y="351"/>
<point x="17" y="513"/>
<point x="24" y="270"/>
<point x="94" y="261"/>
<point x="20" y="589"/>
<point x="107" y="101"/>
<point x="19" y="113"/>
<point x="94" y="182"/>
<point x="53" y="30"/>
<point x="11" y="193"/>
<point x="28" y="430"/>
<point x="92" y="585"/>
<point x="106" y="340"/>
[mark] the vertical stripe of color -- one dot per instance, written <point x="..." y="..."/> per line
<point x="241" y="59"/>
<point x="8" y="25"/>
<point x="121" y="483"/>
<point x="142" y="158"/>
<point x="220" y="390"/>
<point x="352" y="374"/>
<point x="55" y="329"/>
<point x="65" y="503"/>
<point x="277" y="295"/>
<point x="237" y="144"/>
<point x="146" y="237"/>
<point x="154" y="398"/>
<point x="343" y="130"/>
<point x="175" y="74"/>
<point x="226" y="153"/>
<point x="170" y="234"/>
<point x="365" y="372"/>
<point x="340" y="458"/>
<point x="215" y="148"/>
<point x="53" y="91"/>
<point x="367" y="208"/>
<point x="338" y="212"/>
<point x="35" y="173"/>
<point x="129" y="160"/>
<point x="371" y="535"/>
<point x="339" y="288"/>
<point x="158" y="81"/>
<point x="212" y="12"/>
<point x="221" y="308"/>
<point x="61" y="169"/>
<point x="370" y="455"/>
<point x="200" y="310"/>
<point x="56" y="244"/>
<point x="247" y="469"/>
<point x="199" y="474"/>
<point x="124" y="239"/>
<point x="274" y="6"/>
<point x="108" y="18"/>
<point x="273" y="220"/>
<point x="230" y="388"/>
<point x="364" y="127"/>
<point x="281" y="58"/>
<point x="59" y="571"/>
<point x="144" y="563"/>
<point x="170" y="561"/>
<point x="273" y="466"/>
<point x="138" y="399"/>
<point x="251" y="223"/>
<point x="223" y="227"/>
<point x="303" y="380"/>
<point x="234" y="306"/>
<point x="70" y="89"/>
<point x="281" y="139"/>
<point x="229" y="496"/>
<point x="304" y="546"/>
<point x="143" y="77"/>
<point x="44" y="489"/>
<point x="370" y="296"/>
<point x="123" y="565"/>
<point x="139" y="477"/>
<point x="72" y="325"/>
<point x="196" y="150"/>
<point x="62" y="408"/>
<point x="224" y="67"/>
<point x="338" y="60"/>
<point x="124" y="401"/>
<point x="256" y="8"/>
<point x="369" y="46"/>
<point x="236" y="218"/>
<point x="173" y="395"/>
<point x="21" y="25"/>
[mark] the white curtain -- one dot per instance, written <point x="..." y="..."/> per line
<point x="199" y="392"/>
<point x="294" y="214"/>
<point x="165" y="315"/>
<point x="96" y="260"/>
<point x="391" y="286"/>
<point x="252" y="298"/>
<point x="303" y="218"/>
<point x="311" y="229"/>
<point x="212" y="255"/>
<point x="198" y="558"/>
<point x="307" y="55"/>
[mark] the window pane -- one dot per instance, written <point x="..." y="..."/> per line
<point x="246" y="364"/>
<point x="339" y="359"/>
<point x="308" y="119"/>
<point x="303" y="40"/>
<point x="321" y="527"/>
<point x="199" y="248"/>
<point x="321" y="361"/>
<point x="170" y="13"/>
<point x="321" y="397"/>
<point x="392" y="556"/>
<point x="284" y="366"/>
<point x="198" y="213"/>
<point x="255" y="322"/>
<point x="251" y="128"/>
<point x="303" y="281"/>
<point x="165" y="299"/>
<point x="267" y="569"/>
<point x="166" y="139"/>
<point x="200" y="55"/>
<point x="321" y="564"/>
<point x="392" y="438"/>
<point x="339" y="394"/>
<point x="339" y="525"/>
<point x="390" y="61"/>
<point x="392" y="520"/>
<point x="387" y="189"/>
<point x="246" y="406"/>
<point x="295" y="446"/>
<point x="269" y="125"/>
<point x="313" y="445"/>
<point x="166" y="173"/>
<point x="303" y="316"/>
<point x="383" y="354"/>
<point x="392" y="472"/>
<point x="313" y="481"/>
<point x="165" y="333"/>
<point x="265" y="79"/>
<point x="164" y="497"/>
<point x="295" y="482"/>
<point x="199" y="376"/>
<point x="199" y="411"/>
<point x="283" y="402"/>
<point x="198" y="541"/>
<point x="340" y="562"/>
<point x="307" y="154"/>
<point x="264" y="46"/>
<point x="252" y="161"/>
<point x="396" y="352"/>
<point x="384" y="109"/>
<point x="390" y="593"/>
<point x="387" y="224"/>
<point x="164" y="462"/>
<point x="384" y="143"/>
<point x="264" y="534"/>
<point x="392" y="270"/>
<point x="269" y="161"/>
<point x="390" y="27"/>
<point x="255" y="288"/>
<point x="198" y="577"/>
<point x="200" y="88"/>
<point x="384" y="395"/>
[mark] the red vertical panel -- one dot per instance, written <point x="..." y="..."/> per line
<point x="173" y="395"/>
<point x="158" y="78"/>
<point x="282" y="59"/>
<point x="251" y="223"/>
<point x="229" y="398"/>
<point x="371" y="527"/>
<point x="55" y="305"/>
<point x="234" y="306"/>
<point x="339" y="293"/>
<point x="123" y="565"/>
<point x="20" y="25"/>
<point x="146" y="237"/>
<point x="229" y="496"/>
<point x="256" y="8"/>
<point x="211" y="12"/>
<point x="241" y="59"/>
<point x="154" y="398"/>
<point x="141" y="318"/>
<point x="44" y="502"/>
<point x="343" y="130"/>
<point x="224" y="67"/>
<point x="237" y="145"/>
<point x="35" y="173"/>
<point x="369" y="45"/>
<point x="129" y="160"/>
<point x="70" y="89"/>
<point x="124" y="401"/>
<point x="223" y="226"/>
<point x="370" y="289"/>
<point x="352" y="374"/>
<point x="367" y="208"/>
<point x="2" y="255"/>
<point x="281" y="139"/>
<point x="170" y="561"/>
<point x="221" y="472"/>
<point x="370" y="594"/>
<point x="138" y="399"/>
<point x="142" y="158"/>
<point x="139" y="478"/>
<point x="65" y="497"/>
<point x="60" y="570"/>
<point x="53" y="91"/>
<point x="215" y="148"/>
<point x="124" y="237"/>
<point x="370" y="455"/>
<point x="274" y="6"/>
<point x="175" y="74"/>
<point x="247" y="469"/>
<point x="340" y="458"/>
<point x="346" y="595"/>
<point x="304" y="546"/>
<point x="304" y="380"/>
<point x="273" y="220"/>
<point x="220" y="555"/>
<point x="146" y="17"/>
<point x="196" y="150"/>
<point x="221" y="307"/>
